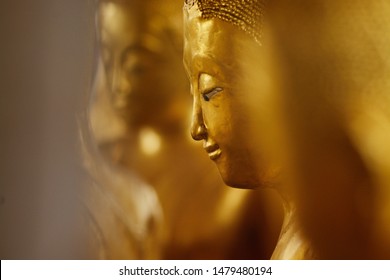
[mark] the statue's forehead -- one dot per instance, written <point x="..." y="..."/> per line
<point x="118" y="18"/>
<point x="203" y="35"/>
<point x="133" y="16"/>
<point x="210" y="45"/>
<point x="127" y="24"/>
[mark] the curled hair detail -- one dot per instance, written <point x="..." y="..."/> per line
<point x="248" y="15"/>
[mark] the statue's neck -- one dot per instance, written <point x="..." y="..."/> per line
<point x="289" y="214"/>
<point x="291" y="244"/>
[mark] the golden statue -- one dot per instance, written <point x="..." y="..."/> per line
<point x="335" y="60"/>
<point x="222" y="42"/>
<point x="124" y="217"/>
<point x="139" y="118"/>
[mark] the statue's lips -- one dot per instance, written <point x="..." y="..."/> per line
<point x="213" y="150"/>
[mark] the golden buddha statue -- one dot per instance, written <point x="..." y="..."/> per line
<point x="335" y="61"/>
<point x="139" y="114"/>
<point x="222" y="44"/>
<point x="124" y="217"/>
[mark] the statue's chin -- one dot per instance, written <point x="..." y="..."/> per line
<point x="236" y="180"/>
<point x="240" y="185"/>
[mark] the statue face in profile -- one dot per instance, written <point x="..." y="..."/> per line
<point x="224" y="113"/>
<point x="141" y="61"/>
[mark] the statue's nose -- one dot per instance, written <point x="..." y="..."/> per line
<point x="119" y="82"/>
<point x="198" y="128"/>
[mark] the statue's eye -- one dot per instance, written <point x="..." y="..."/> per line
<point x="210" y="93"/>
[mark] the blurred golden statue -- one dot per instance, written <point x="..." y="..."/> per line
<point x="336" y="117"/>
<point x="222" y="46"/>
<point x="139" y="115"/>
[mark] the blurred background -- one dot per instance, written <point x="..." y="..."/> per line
<point x="81" y="180"/>
<point x="96" y="161"/>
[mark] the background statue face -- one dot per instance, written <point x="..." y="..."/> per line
<point x="224" y="114"/>
<point x="142" y="63"/>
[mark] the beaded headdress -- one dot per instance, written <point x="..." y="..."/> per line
<point x="246" y="14"/>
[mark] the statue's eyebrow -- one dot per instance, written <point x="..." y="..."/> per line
<point x="193" y="65"/>
<point x="138" y="48"/>
<point x="210" y="59"/>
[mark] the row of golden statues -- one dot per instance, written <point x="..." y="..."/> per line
<point x="289" y="99"/>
